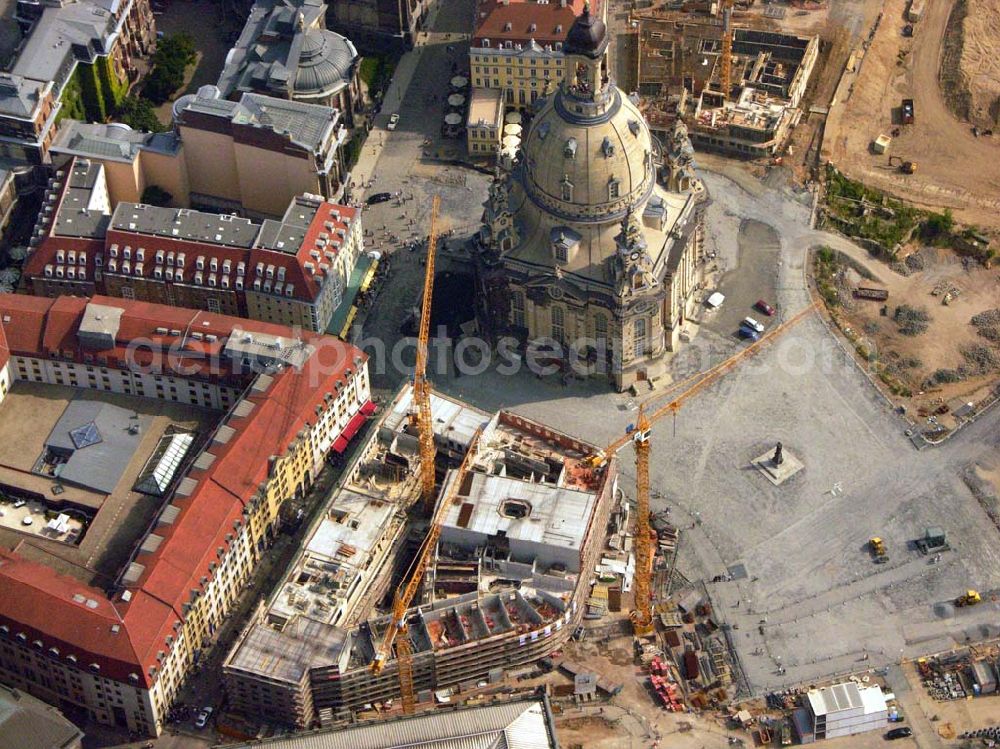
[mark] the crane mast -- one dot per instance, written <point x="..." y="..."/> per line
<point x="642" y="615"/>
<point x="727" y="47"/>
<point x="421" y="386"/>
<point x="397" y="631"/>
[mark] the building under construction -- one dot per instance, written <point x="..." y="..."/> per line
<point x="525" y="527"/>
<point x="681" y="75"/>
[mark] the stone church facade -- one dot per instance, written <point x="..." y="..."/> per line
<point x="592" y="247"/>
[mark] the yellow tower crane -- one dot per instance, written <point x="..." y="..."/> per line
<point x="727" y="47"/>
<point x="398" y="632"/>
<point x="421" y="385"/>
<point x="642" y="614"/>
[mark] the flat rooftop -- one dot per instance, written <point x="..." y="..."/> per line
<point x="28" y="416"/>
<point x="535" y="512"/>
<point x="289" y="654"/>
<point x="453" y="421"/>
<point x="185" y="223"/>
<point x="82" y="212"/>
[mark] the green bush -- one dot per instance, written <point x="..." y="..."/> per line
<point x="138" y="114"/>
<point x="937" y="227"/>
<point x="173" y="54"/>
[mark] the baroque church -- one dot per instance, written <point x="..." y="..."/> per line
<point x="594" y="239"/>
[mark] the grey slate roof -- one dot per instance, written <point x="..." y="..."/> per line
<point x="306" y="125"/>
<point x="113" y="141"/>
<point x="281" y="50"/>
<point x="80" y="30"/>
<point x="78" y="216"/>
<point x="27" y="721"/>
<point x="100" y="464"/>
<point x="19" y="95"/>
<point x="185" y="223"/>
<point x="519" y="724"/>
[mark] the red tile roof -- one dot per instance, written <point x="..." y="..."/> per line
<point x="36" y="600"/>
<point x="306" y="283"/>
<point x="546" y="23"/>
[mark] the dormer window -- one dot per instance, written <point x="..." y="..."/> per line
<point x="567" y="189"/>
<point x="607" y="147"/>
<point x="614" y="188"/>
<point x="569" y="151"/>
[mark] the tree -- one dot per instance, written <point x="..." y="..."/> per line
<point x="939" y="225"/>
<point x="173" y="54"/>
<point x="156" y="195"/>
<point x="138" y="114"/>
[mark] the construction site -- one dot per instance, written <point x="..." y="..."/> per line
<point x="738" y="89"/>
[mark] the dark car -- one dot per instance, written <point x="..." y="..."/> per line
<point x="764" y="307"/>
<point x="898" y="733"/>
<point x="379" y="197"/>
<point x="748" y="332"/>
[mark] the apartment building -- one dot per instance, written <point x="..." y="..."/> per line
<point x="291" y="271"/>
<point x="517" y="47"/>
<point x="250" y="157"/>
<point x="118" y="639"/>
<point x="91" y="48"/>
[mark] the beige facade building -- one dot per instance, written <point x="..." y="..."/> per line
<point x="484" y="127"/>
<point x="121" y="650"/>
<point x="250" y="157"/>
<point x="517" y="47"/>
<point x="592" y="246"/>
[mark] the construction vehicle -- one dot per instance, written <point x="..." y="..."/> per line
<point x="969" y="598"/>
<point x="397" y="631"/>
<point x="905" y="166"/>
<point x="906" y="112"/>
<point x="877" y="546"/>
<point x="639" y="435"/>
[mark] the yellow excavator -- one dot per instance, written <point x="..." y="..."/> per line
<point x="969" y="598"/>
<point x="877" y="546"/>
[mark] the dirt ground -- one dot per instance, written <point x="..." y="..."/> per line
<point x="972" y="54"/>
<point x="949" y="331"/>
<point x="955" y="169"/>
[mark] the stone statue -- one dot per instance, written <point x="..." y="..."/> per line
<point x="778" y="458"/>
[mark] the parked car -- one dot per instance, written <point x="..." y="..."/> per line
<point x="753" y="324"/>
<point x="203" y="717"/>
<point x="764" y="307"/>
<point x="898" y="733"/>
<point x="393" y="121"/>
<point x="379" y="197"/>
<point x="750" y="333"/>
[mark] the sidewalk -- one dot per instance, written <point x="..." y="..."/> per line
<point x="394" y="96"/>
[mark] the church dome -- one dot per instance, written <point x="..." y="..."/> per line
<point x="588" y="168"/>
<point x="325" y="62"/>
<point x="588" y="36"/>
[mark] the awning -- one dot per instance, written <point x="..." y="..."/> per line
<point x="369" y="408"/>
<point x="353" y="425"/>
<point x="339" y="445"/>
<point x="345" y="331"/>
<point x="369" y="275"/>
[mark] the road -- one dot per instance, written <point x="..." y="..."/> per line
<point x="954" y="168"/>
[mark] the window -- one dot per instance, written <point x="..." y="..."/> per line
<point x="639" y="338"/>
<point x="560" y="252"/>
<point x="614" y="188"/>
<point x="567" y="190"/>
<point x="517" y="309"/>
<point x="128" y="292"/>
<point x="601" y="327"/>
<point x="558" y="324"/>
